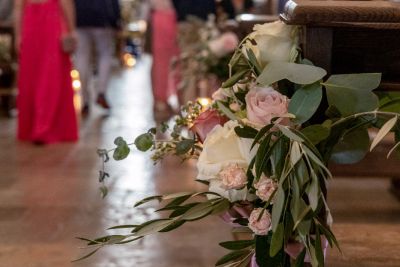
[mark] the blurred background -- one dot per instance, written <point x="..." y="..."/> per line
<point x="132" y="67"/>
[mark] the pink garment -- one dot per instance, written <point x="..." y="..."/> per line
<point x="164" y="48"/>
<point x="45" y="94"/>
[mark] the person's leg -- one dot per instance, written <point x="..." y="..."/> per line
<point x="104" y="39"/>
<point x="82" y="63"/>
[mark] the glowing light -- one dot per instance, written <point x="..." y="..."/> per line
<point x="205" y="102"/>
<point x="76" y="84"/>
<point x="74" y="74"/>
<point x="129" y="60"/>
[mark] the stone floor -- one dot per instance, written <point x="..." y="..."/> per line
<point x="49" y="195"/>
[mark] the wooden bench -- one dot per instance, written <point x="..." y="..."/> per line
<point x="354" y="37"/>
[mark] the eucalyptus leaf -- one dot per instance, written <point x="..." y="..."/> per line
<point x="184" y="146"/>
<point x="352" y="93"/>
<point x="246" y="132"/>
<point x="305" y="102"/>
<point x="352" y="147"/>
<point x="313" y="192"/>
<point x="290" y="134"/>
<point x="316" y="133"/>
<point x="122" y="150"/>
<point x="296" y="73"/>
<point x="144" y="142"/>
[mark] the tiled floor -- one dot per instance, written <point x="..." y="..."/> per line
<point x="49" y="195"/>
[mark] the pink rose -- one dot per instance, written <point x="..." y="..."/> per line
<point x="262" y="226"/>
<point x="233" y="177"/>
<point x="224" y="44"/>
<point x="264" y="104"/>
<point x="204" y="123"/>
<point x="265" y="187"/>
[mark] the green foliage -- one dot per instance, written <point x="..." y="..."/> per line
<point x="122" y="150"/>
<point x="305" y="101"/>
<point x="296" y="73"/>
<point x="237" y="245"/>
<point x="352" y="93"/>
<point x="352" y="147"/>
<point x="246" y="132"/>
<point x="144" y="142"/>
<point x="185" y="146"/>
<point x="316" y="133"/>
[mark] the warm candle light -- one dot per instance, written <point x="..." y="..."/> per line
<point x="205" y="102"/>
<point x="76" y="85"/>
<point x="129" y="60"/>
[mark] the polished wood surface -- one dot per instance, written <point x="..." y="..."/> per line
<point x="49" y="195"/>
<point x="375" y="14"/>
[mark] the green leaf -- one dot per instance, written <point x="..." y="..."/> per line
<point x="246" y="132"/>
<point x="237" y="245"/>
<point x="289" y="134"/>
<point x="261" y="134"/>
<point x="122" y="150"/>
<point x="300" y="258"/>
<point x="295" y="153"/>
<point x="226" y="111"/>
<point x="147" y="199"/>
<point x="277" y="209"/>
<point x="87" y="255"/>
<point x="253" y="60"/>
<point x="386" y="128"/>
<point x="197" y="212"/>
<point x="352" y="93"/>
<point x="184" y="146"/>
<point x="153" y="227"/>
<point x="316" y="133"/>
<point x="235" y="78"/>
<point x="103" y="191"/>
<point x="352" y="147"/>
<point x="122" y="226"/>
<point x="318" y="249"/>
<point x="232" y="256"/>
<point x="313" y="192"/>
<point x="305" y="102"/>
<point x="172" y="226"/>
<point x="144" y="142"/>
<point x="296" y="73"/>
<point x="277" y="240"/>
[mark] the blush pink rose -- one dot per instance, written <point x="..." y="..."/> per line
<point x="233" y="177"/>
<point x="204" y="123"/>
<point x="265" y="187"/>
<point x="262" y="226"/>
<point x="264" y="104"/>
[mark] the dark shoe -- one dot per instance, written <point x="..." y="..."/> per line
<point x="102" y="102"/>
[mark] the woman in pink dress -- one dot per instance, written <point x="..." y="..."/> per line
<point x="164" y="48"/>
<point x="44" y="32"/>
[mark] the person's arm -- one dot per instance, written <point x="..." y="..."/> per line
<point x="18" y="11"/>
<point x="68" y="8"/>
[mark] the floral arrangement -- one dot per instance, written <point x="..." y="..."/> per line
<point x="204" y="56"/>
<point x="262" y="148"/>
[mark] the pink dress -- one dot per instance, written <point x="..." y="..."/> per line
<point x="45" y="95"/>
<point x="164" y="48"/>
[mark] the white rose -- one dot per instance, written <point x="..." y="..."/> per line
<point x="276" y="41"/>
<point x="221" y="149"/>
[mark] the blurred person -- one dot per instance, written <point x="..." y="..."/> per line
<point x="97" y="24"/>
<point x="6" y="11"/>
<point x="45" y="35"/>
<point x="235" y="7"/>
<point x="198" y="8"/>
<point x="164" y="48"/>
